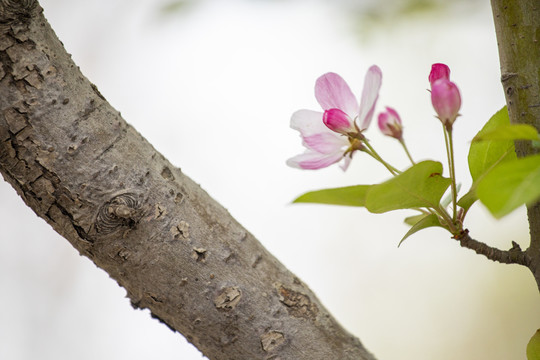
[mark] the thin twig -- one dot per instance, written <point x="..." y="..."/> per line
<point x="513" y="256"/>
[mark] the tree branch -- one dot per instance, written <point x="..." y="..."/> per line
<point x="517" y="25"/>
<point x="102" y="186"/>
<point x="513" y="256"/>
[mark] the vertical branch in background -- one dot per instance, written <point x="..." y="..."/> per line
<point x="517" y="24"/>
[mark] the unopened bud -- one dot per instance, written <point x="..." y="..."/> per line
<point x="390" y="123"/>
<point x="446" y="101"/>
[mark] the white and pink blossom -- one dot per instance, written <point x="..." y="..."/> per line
<point x="335" y="134"/>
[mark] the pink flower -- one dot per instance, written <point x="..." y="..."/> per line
<point x="330" y="136"/>
<point x="324" y="147"/>
<point x="445" y="95"/>
<point x="390" y="123"/>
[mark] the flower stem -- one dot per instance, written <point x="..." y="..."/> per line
<point x="402" y="142"/>
<point x="371" y="151"/>
<point x="446" y="217"/>
<point x="454" y="185"/>
<point x="448" y="139"/>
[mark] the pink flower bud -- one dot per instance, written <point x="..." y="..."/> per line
<point x="439" y="71"/>
<point x="390" y="123"/>
<point x="338" y="121"/>
<point x="446" y="101"/>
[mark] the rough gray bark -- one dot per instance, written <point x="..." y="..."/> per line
<point x="102" y="186"/>
<point x="517" y="24"/>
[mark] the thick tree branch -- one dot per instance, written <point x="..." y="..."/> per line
<point x="517" y="24"/>
<point x="102" y="186"/>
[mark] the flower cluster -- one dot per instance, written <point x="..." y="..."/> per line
<point x="335" y="134"/>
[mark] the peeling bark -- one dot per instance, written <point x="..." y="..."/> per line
<point x="102" y="186"/>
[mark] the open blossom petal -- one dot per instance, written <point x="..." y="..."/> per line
<point x="308" y="122"/>
<point x="370" y="94"/>
<point x="326" y="143"/>
<point x="313" y="160"/>
<point x="324" y="147"/>
<point x="338" y="121"/>
<point x="346" y="161"/>
<point x="315" y="135"/>
<point x="331" y="91"/>
<point x="439" y="71"/>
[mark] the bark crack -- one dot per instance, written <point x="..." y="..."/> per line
<point x="112" y="144"/>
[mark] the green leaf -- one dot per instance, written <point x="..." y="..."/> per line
<point x="508" y="132"/>
<point x="533" y="347"/>
<point x="348" y="196"/>
<point x="422" y="185"/>
<point x="487" y="154"/>
<point x="484" y="155"/>
<point x="427" y="221"/>
<point x="411" y="220"/>
<point x="468" y="199"/>
<point x="510" y="185"/>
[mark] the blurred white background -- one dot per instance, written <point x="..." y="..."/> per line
<point x="212" y="84"/>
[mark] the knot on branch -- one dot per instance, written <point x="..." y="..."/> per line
<point x="122" y="211"/>
<point x="12" y="11"/>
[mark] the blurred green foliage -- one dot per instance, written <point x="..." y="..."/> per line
<point x="374" y="15"/>
<point x="366" y="16"/>
<point x="175" y="6"/>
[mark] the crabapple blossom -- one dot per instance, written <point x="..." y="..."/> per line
<point x="335" y="134"/>
<point x="390" y="123"/>
<point x="323" y="146"/>
<point x="445" y="95"/>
